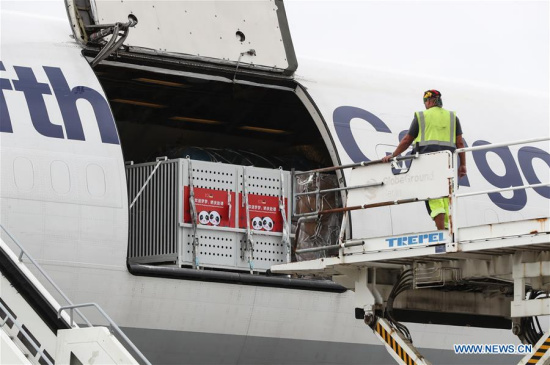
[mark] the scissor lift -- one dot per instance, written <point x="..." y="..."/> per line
<point x="517" y="250"/>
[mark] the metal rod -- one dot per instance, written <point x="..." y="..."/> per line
<point x="504" y="144"/>
<point x="364" y="206"/>
<point x="324" y="248"/>
<point x="292" y="196"/>
<point x="367" y="206"/>
<point x="340" y="189"/>
<point x="112" y="324"/>
<point x="159" y="160"/>
<point x="453" y="219"/>
<point x="318" y="192"/>
<point x="351" y="243"/>
<point x="343" y="226"/>
<point x="308" y="214"/>
<point x="52" y="283"/>
<point x="358" y="164"/>
<point x="99" y="26"/>
<point x="534" y="186"/>
<point x="25" y="334"/>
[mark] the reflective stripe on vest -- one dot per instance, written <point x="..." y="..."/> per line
<point x="434" y="139"/>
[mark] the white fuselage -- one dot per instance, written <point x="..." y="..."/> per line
<point x="63" y="189"/>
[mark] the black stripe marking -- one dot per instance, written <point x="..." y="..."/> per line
<point x="42" y="361"/>
<point x="4" y="315"/>
<point x="386" y="336"/>
<point x="26" y="342"/>
<point x="540" y="352"/>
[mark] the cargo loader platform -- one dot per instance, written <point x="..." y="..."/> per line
<point x="505" y="259"/>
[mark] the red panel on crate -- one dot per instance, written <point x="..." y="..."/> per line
<point x="214" y="207"/>
<point x="264" y="213"/>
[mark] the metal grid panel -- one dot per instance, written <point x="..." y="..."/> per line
<point x="268" y="251"/>
<point x="262" y="181"/>
<point x="153" y="219"/>
<point x="157" y="229"/>
<point x="216" y="248"/>
<point x="210" y="175"/>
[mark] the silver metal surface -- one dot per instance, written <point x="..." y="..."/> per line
<point x="153" y="221"/>
<point x="162" y="230"/>
<point x="159" y="160"/>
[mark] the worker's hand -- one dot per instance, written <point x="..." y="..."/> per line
<point x="462" y="171"/>
<point x="387" y="158"/>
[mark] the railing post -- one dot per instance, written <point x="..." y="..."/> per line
<point x="454" y="202"/>
<point x="293" y="192"/>
<point x="318" y="192"/>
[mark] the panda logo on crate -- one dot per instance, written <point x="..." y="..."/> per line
<point x="257" y="224"/>
<point x="204" y="217"/>
<point x="267" y="223"/>
<point x="215" y="218"/>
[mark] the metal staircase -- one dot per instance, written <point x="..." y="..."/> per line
<point x="36" y="329"/>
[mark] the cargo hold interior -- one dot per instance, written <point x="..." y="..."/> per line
<point x="209" y="117"/>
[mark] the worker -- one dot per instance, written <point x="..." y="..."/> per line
<point x="435" y="129"/>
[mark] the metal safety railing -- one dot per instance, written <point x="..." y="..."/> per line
<point x="24" y="252"/>
<point x="318" y="192"/>
<point x="452" y="193"/>
<point x="455" y="196"/>
<point x="316" y="174"/>
<point x="71" y="305"/>
<point x="25" y="334"/>
<point x="112" y="325"/>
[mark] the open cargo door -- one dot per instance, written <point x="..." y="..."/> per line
<point x="251" y="35"/>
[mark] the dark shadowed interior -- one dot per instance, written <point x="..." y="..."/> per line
<point x="211" y="118"/>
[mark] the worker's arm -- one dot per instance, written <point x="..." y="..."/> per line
<point x="462" y="168"/>
<point x="403" y="145"/>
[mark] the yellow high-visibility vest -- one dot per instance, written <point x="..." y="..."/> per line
<point x="436" y="126"/>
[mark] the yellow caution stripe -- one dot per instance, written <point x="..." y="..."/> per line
<point x="403" y="355"/>
<point x="539" y="353"/>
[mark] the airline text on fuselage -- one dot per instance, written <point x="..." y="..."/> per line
<point x="67" y="98"/>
